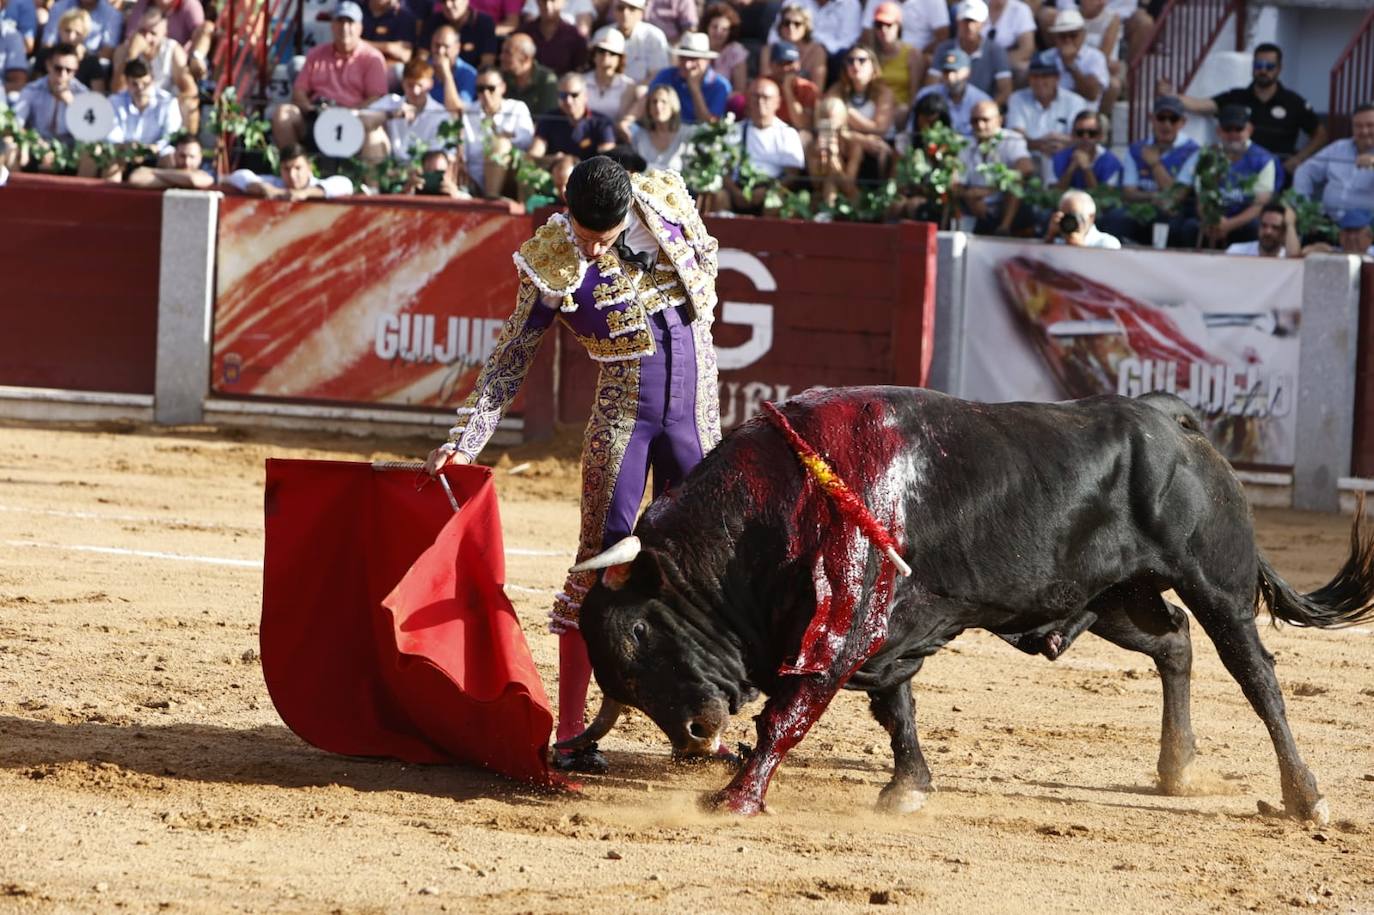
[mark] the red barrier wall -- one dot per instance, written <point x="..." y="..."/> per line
<point x="377" y="302"/>
<point x="844" y="304"/>
<point x="80" y="267"/>
<point x="1362" y="460"/>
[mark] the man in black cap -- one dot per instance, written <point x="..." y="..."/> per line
<point x="1159" y="170"/>
<point x="1254" y="176"/>
<point x="1278" y="113"/>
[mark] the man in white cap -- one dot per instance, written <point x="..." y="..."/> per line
<point x="1082" y="68"/>
<point x="646" y="47"/>
<point x="991" y="68"/>
<point x="702" y="91"/>
<point x="347" y="72"/>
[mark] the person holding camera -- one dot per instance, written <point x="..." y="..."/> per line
<point x="1074" y="223"/>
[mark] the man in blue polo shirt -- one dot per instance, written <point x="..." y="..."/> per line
<point x="1158" y="170"/>
<point x="1086" y="164"/>
<point x="455" y="80"/>
<point x="1254" y="175"/>
<point x="702" y="91"/>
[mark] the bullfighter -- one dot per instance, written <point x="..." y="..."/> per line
<point x="630" y="269"/>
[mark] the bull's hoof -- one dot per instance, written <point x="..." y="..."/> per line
<point x="735" y="802"/>
<point x="1318" y="813"/>
<point x="1054" y="646"/>
<point x="1179" y="785"/>
<point x="901" y="799"/>
<point x="722" y="755"/>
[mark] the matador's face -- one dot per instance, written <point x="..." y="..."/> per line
<point x="593" y="244"/>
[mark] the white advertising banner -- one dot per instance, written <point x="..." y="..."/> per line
<point x="1050" y="322"/>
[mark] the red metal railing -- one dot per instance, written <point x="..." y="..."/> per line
<point x="1179" y="42"/>
<point x="1352" y="78"/>
<point x="249" y="32"/>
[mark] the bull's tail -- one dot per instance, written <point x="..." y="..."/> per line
<point x="1345" y="600"/>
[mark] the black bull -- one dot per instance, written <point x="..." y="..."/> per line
<point x="1015" y="518"/>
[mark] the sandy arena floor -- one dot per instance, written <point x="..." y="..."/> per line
<point x="143" y="768"/>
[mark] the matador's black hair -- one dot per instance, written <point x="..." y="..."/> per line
<point x="598" y="193"/>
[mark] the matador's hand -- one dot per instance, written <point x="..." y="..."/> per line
<point x="441" y="456"/>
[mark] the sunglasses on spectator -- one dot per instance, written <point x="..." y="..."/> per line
<point x="1087" y="132"/>
<point x="569" y="94"/>
<point x="1168" y="118"/>
<point x="1265" y="65"/>
<point x="799" y="23"/>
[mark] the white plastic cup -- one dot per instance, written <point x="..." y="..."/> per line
<point x="1160" y="238"/>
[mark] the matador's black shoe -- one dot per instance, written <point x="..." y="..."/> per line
<point x="588" y="759"/>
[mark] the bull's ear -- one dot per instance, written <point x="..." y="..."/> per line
<point x="646" y="574"/>
<point x="616" y="576"/>
<point x="643" y="572"/>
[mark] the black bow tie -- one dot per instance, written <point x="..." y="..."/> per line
<point x="643" y="260"/>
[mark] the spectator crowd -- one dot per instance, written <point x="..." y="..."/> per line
<point x="842" y="101"/>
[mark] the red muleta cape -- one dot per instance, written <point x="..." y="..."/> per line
<point x="385" y="627"/>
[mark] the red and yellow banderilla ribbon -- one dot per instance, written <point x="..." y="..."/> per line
<point x="846" y="500"/>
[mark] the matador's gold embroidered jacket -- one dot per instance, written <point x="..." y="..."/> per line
<point x="605" y="303"/>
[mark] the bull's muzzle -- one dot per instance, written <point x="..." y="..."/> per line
<point x="601" y="726"/>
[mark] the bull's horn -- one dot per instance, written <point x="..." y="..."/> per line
<point x="624" y="551"/>
<point x="601" y="726"/>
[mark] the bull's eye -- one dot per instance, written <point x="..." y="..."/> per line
<point x="638" y="631"/>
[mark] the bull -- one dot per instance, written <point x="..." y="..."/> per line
<point x="1017" y="518"/>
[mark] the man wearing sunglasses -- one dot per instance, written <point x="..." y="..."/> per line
<point x="579" y="133"/>
<point x="1087" y="164"/>
<point x="1278" y="113"/>
<point x="491" y="130"/>
<point x="1159" y="170"/>
<point x="43" y="103"/>
<point x="630" y="269"/>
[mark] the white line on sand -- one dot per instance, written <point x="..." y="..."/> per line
<point x="150" y="554"/>
<point x="208" y="525"/>
<point x="208" y="560"/>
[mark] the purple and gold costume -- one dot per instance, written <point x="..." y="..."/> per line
<point x="657" y="398"/>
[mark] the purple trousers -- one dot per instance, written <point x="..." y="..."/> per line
<point x="644" y="418"/>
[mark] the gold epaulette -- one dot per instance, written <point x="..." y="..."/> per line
<point x="666" y="193"/>
<point x="550" y="260"/>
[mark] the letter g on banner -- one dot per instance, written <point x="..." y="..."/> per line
<point x="755" y="315"/>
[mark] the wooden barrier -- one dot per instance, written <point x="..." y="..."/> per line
<point x="804" y="304"/>
<point x="81" y="288"/>
<point x="390" y="303"/>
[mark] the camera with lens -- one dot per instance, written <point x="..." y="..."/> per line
<point x="1069" y="223"/>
